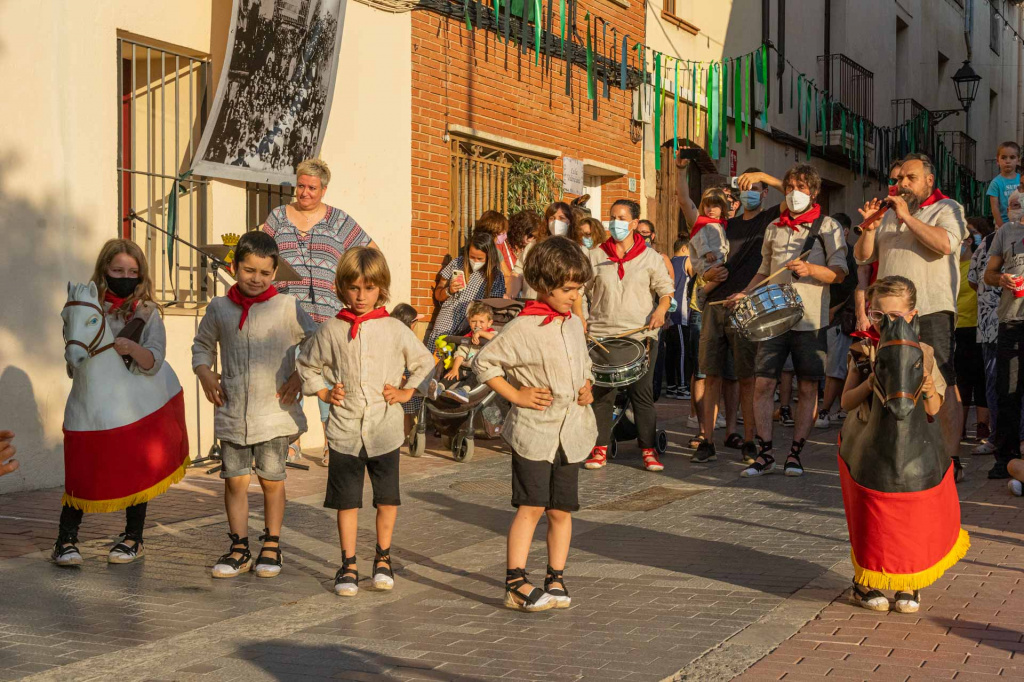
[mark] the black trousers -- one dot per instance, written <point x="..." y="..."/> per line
<point x="1009" y="389"/>
<point x="674" y="345"/>
<point x="71" y="521"/>
<point x="641" y="396"/>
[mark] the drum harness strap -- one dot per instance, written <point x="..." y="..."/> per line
<point x="814" y="233"/>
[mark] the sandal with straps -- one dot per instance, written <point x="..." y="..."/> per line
<point x="873" y="600"/>
<point x="265" y="566"/>
<point x="907" y="602"/>
<point x="65" y="551"/>
<point x="383" y="575"/>
<point x="793" y="465"/>
<point x="123" y="553"/>
<point x="346" y="580"/>
<point x="228" y="566"/>
<point x="536" y="600"/>
<point x="559" y="594"/>
<point x="764" y="463"/>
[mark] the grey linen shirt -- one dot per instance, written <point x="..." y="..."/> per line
<point x="256" y="361"/>
<point x="1008" y="244"/>
<point x="154" y="336"/>
<point x="617" y="306"/>
<point x="552" y="356"/>
<point x="899" y="252"/>
<point x="382" y="351"/>
<point x="783" y="244"/>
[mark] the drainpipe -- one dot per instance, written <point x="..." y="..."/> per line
<point x="1020" y="89"/>
<point x="828" y="43"/>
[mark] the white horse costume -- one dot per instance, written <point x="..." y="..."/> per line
<point x="125" y="440"/>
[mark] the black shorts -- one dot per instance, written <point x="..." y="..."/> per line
<point x="970" y="367"/>
<point x="345" y="479"/>
<point x="808" y="348"/>
<point x="937" y="330"/>
<point x="723" y="350"/>
<point x="552" y="485"/>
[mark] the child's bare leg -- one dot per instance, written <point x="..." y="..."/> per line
<point x="520" y="535"/>
<point x="559" y="537"/>
<point x="386" y="515"/>
<point x="273" y="508"/>
<point x="348" y="526"/>
<point x="236" y="504"/>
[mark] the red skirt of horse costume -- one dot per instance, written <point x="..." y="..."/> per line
<point x="902" y="540"/>
<point x="110" y="470"/>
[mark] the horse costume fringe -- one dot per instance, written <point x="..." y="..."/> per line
<point x="908" y="582"/>
<point x="113" y="469"/>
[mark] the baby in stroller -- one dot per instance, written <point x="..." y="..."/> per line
<point x="481" y="318"/>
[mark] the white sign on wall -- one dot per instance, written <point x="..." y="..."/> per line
<point x="572" y="175"/>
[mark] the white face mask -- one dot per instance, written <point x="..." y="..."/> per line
<point x="476" y="265"/>
<point x="558" y="228"/>
<point x="798" y="202"/>
<point x="619" y="229"/>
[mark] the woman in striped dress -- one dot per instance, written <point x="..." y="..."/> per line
<point x="312" y="237"/>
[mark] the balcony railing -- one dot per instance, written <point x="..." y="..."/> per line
<point x="853" y="87"/>
<point x="908" y="109"/>
<point x="963" y="147"/>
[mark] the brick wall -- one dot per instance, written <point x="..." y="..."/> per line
<point x="474" y="80"/>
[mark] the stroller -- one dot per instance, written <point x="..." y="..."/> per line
<point x="461" y="423"/>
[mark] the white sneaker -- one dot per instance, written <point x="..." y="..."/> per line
<point x="986" y="448"/>
<point x="823" y="421"/>
<point x="1016" y="487"/>
<point x="720" y="422"/>
<point x="692" y="421"/>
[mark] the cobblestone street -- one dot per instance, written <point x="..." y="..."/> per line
<point x="693" y="573"/>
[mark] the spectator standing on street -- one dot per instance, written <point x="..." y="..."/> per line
<point x="988" y="327"/>
<point x="842" y="323"/>
<point x="1004" y="184"/>
<point x="967" y="356"/>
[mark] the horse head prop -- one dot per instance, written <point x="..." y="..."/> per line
<point x="899" y="366"/>
<point x="86" y="334"/>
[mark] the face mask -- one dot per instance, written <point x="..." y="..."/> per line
<point x="750" y="199"/>
<point x="122" y="287"/>
<point x="588" y="242"/>
<point x="558" y="227"/>
<point x="476" y="265"/>
<point x="647" y="240"/>
<point x="619" y="230"/>
<point x="977" y="240"/>
<point x="798" y="202"/>
<point x="500" y="239"/>
<point x="1015" y="214"/>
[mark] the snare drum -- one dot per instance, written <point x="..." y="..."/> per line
<point x="622" y="364"/>
<point x="768" y="312"/>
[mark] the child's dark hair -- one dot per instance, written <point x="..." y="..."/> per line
<point x="256" y="243"/>
<point x="555" y="261"/>
<point x="806" y="173"/>
<point x="1009" y="144"/>
<point x="680" y="243"/>
<point x="479" y="308"/>
<point x="843" y="220"/>
<point x="404" y="313"/>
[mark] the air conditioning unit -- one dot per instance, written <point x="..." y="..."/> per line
<point x="643" y="103"/>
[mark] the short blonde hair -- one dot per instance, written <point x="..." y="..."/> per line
<point x="893" y="286"/>
<point x="368" y="263"/>
<point x="316" y="168"/>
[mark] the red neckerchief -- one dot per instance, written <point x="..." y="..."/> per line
<point x="356" y="320"/>
<point x="236" y="296"/>
<point x="609" y="248"/>
<point x="937" y="195"/>
<point x="703" y="220"/>
<point x="794" y="222"/>
<point x="870" y="335"/>
<point x="470" y="335"/>
<point x="116" y="302"/>
<point x="544" y="310"/>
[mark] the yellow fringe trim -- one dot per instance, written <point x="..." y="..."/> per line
<point x="908" y="582"/>
<point x="104" y="506"/>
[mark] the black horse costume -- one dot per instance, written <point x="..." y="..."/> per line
<point x="899" y="493"/>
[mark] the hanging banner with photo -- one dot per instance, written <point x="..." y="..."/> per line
<point x="274" y="96"/>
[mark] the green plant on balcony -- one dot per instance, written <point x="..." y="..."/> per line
<point x="532" y="185"/>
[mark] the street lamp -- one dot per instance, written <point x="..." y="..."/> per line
<point x="966" y="81"/>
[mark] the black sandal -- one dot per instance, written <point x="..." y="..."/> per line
<point x="383" y="576"/>
<point x="228" y="566"/>
<point x="696" y="441"/>
<point x="560" y="594"/>
<point x="764" y="463"/>
<point x="868" y="600"/>
<point x="536" y="600"/>
<point x="793" y="465"/>
<point x="265" y="566"/>
<point x="123" y="553"/>
<point x="346" y="580"/>
<point x="734" y="441"/>
<point x="911" y="601"/>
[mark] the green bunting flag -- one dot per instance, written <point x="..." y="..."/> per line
<point x="590" y="61"/>
<point x="800" y="105"/>
<point x="675" y="120"/>
<point x="465" y="12"/>
<point x="536" y="31"/>
<point x="713" y="111"/>
<point x="764" y="84"/>
<point x="623" y="65"/>
<point x="657" y="111"/>
<point x="561" y="10"/>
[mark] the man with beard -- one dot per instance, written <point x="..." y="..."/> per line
<point x="919" y="238"/>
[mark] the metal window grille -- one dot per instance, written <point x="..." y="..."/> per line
<point x="163" y="95"/>
<point x="963" y="147"/>
<point x="261" y="199"/>
<point x="853" y="86"/>
<point x="478" y="183"/>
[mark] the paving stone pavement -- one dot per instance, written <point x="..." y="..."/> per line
<point x="693" y="573"/>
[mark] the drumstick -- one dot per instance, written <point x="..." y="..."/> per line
<point x="770" y="277"/>
<point x="597" y="343"/>
<point x="631" y="332"/>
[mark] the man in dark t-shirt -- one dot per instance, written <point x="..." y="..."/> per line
<point x="745" y="233"/>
